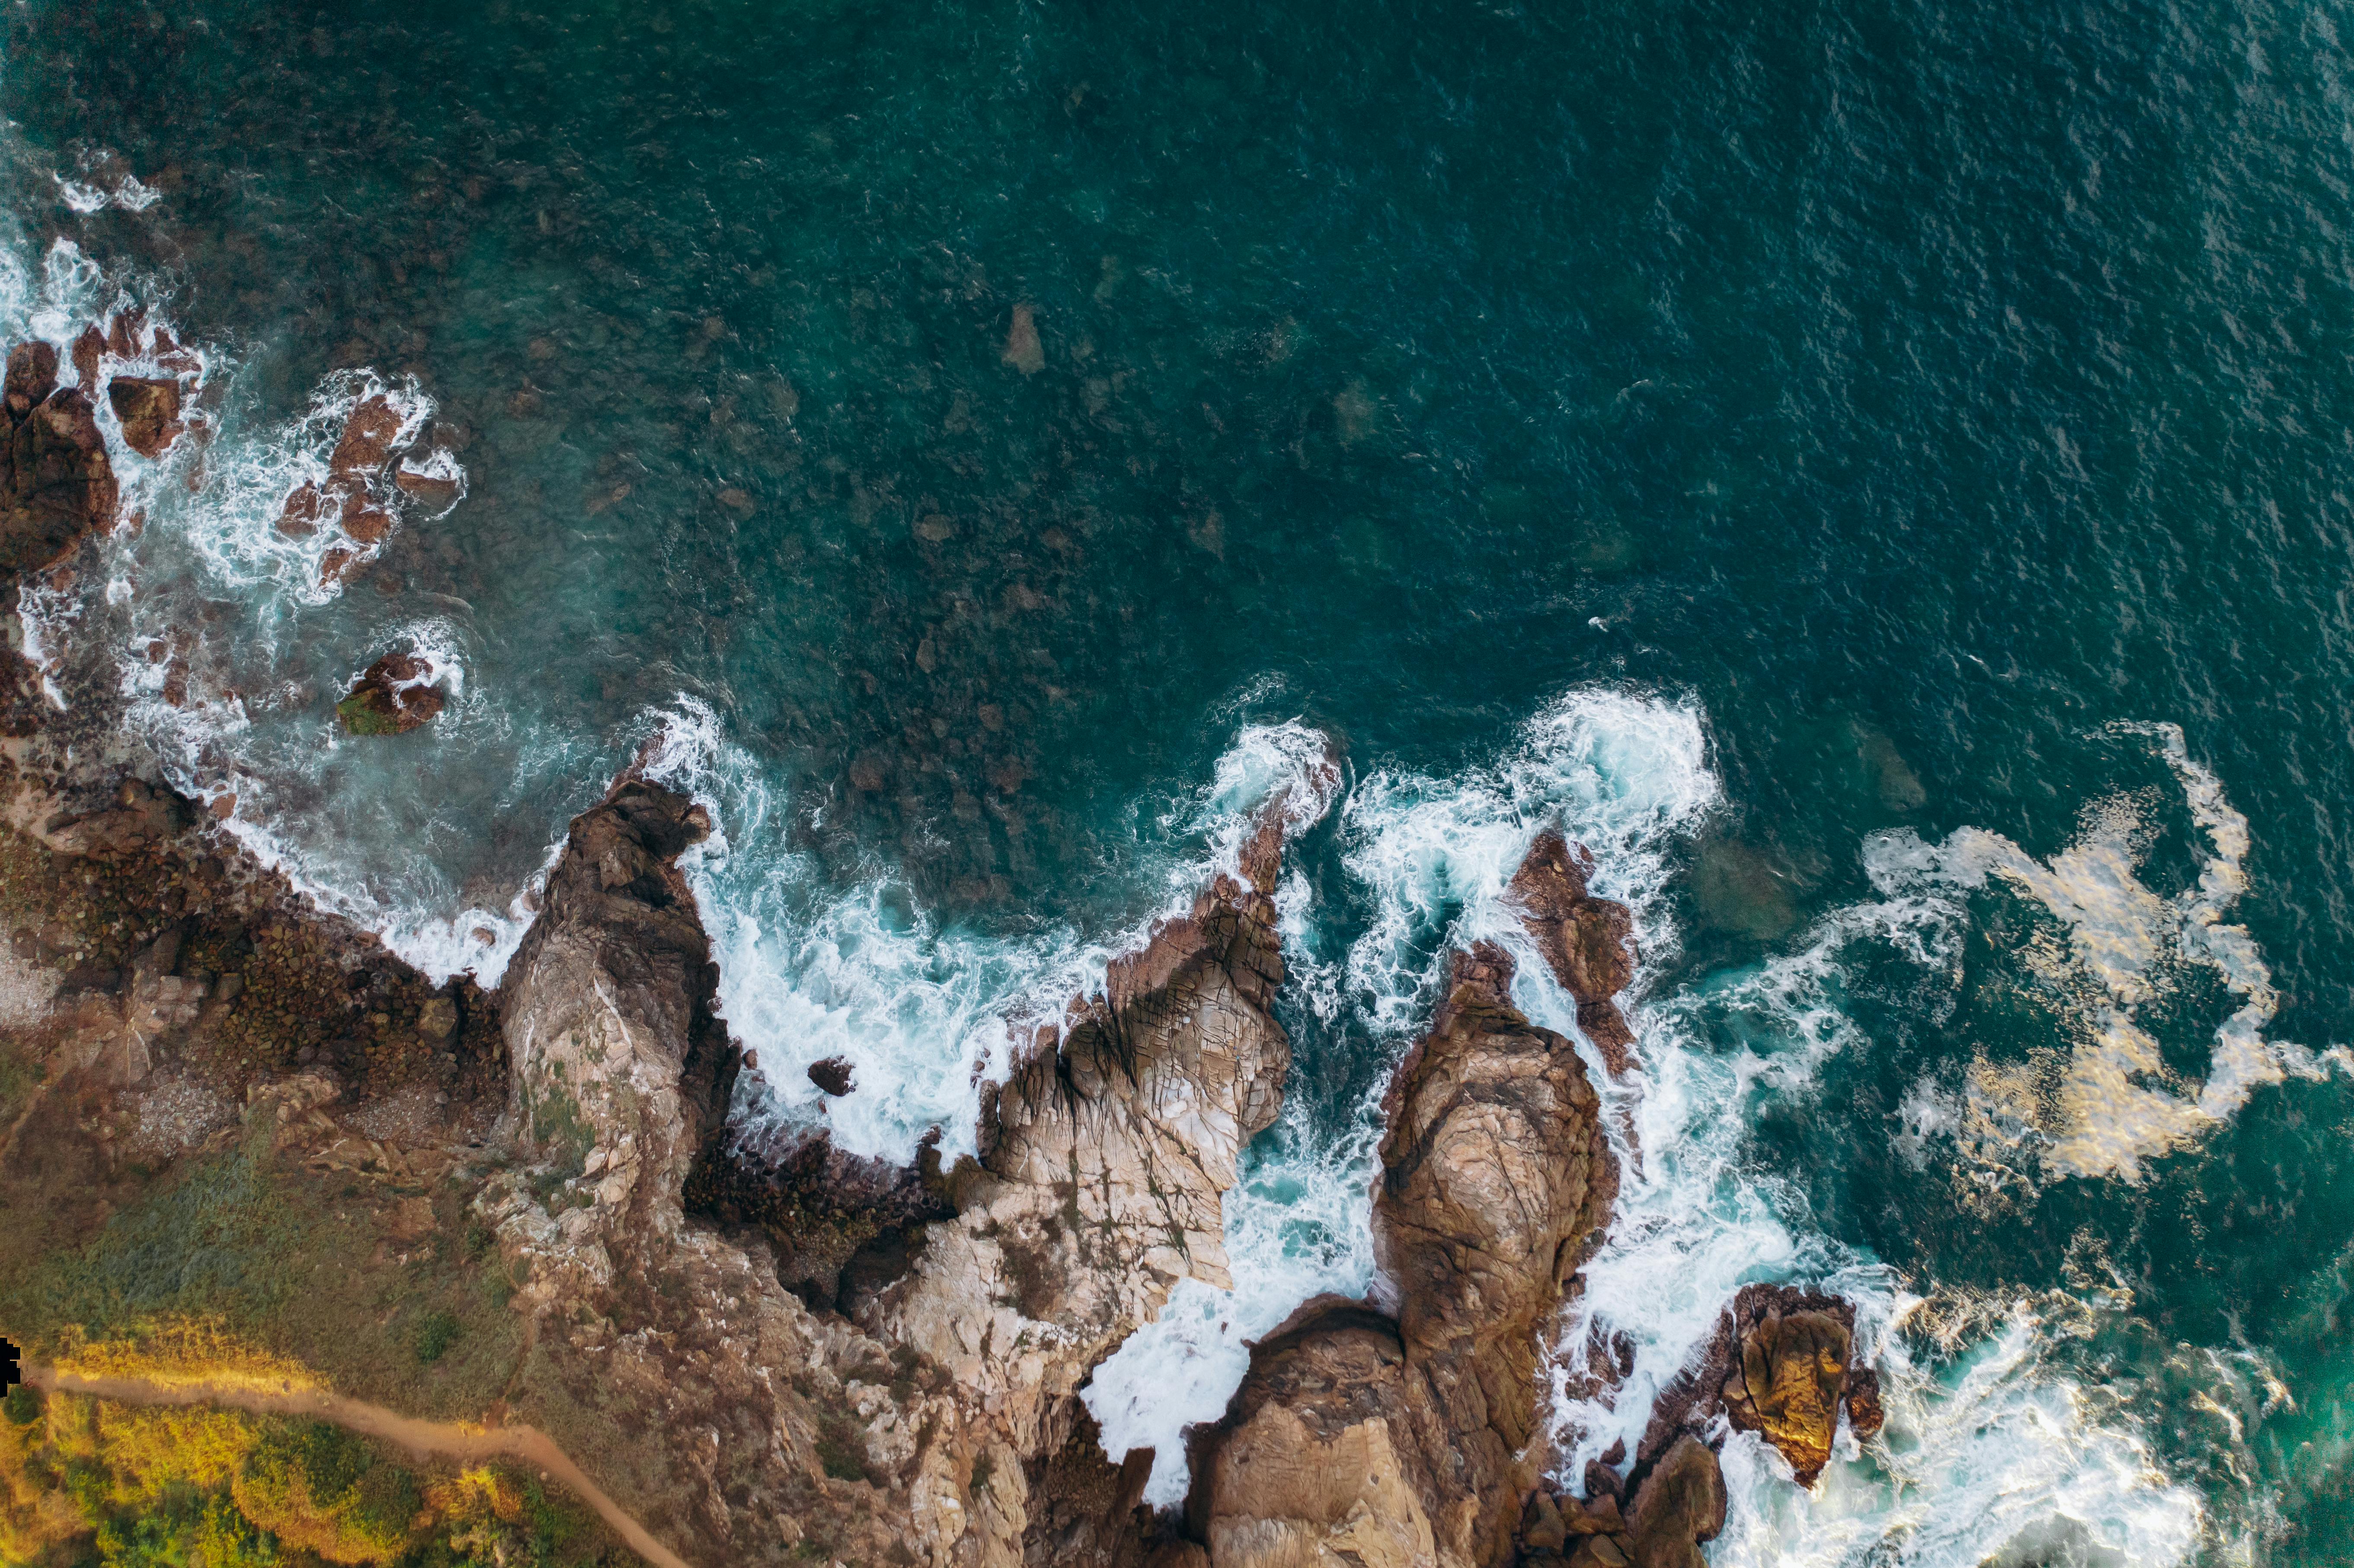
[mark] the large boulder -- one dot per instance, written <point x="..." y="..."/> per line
<point x="148" y="409"/>
<point x="1325" y="1454"/>
<point x="1782" y="1365"/>
<point x="1587" y="942"/>
<point x="1415" y="1439"/>
<point x="55" y="483"/>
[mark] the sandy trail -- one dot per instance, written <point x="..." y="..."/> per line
<point x="458" y="1440"/>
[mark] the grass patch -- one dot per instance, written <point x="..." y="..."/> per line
<point x="238" y="1267"/>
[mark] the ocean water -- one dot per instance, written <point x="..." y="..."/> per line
<point x="1875" y="472"/>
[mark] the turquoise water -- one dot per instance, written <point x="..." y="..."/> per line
<point x="1785" y="445"/>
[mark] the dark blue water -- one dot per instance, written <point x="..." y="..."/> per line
<point x="1910" y="394"/>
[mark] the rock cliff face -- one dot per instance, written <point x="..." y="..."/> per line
<point x="1362" y="1437"/>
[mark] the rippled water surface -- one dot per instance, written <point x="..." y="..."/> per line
<point x="1877" y="471"/>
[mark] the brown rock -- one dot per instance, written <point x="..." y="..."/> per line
<point x="832" y="1076"/>
<point x="32" y="376"/>
<point x="1587" y="942"/>
<point x="299" y="518"/>
<point x="391" y="698"/>
<point x="55" y="483"/>
<point x="149" y="407"/>
<point x="88" y="350"/>
<point x="439" y="492"/>
<point x="368" y="439"/>
<point x="1357" y="1438"/>
<point x="1780" y="1366"/>
<point x="1325" y="1455"/>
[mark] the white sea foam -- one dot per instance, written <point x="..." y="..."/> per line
<point x="1622" y="774"/>
<point x="920" y="1010"/>
<point x="2107" y="1110"/>
<point x="1999" y="1452"/>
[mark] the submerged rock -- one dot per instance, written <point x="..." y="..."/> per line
<point x="55" y="483"/>
<point x="1024" y="352"/>
<point x="393" y="697"/>
<point x="149" y="408"/>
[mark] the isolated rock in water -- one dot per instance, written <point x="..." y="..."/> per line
<point x="1587" y="942"/>
<point x="392" y="698"/>
<point x="1022" y="349"/>
<point x="55" y="481"/>
<point x="149" y="408"/>
<point x="1782" y="1365"/>
<point x="832" y="1076"/>
<point x="1409" y="1441"/>
<point x="1792" y="1372"/>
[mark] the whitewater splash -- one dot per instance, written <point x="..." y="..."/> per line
<point x="922" y="1013"/>
<point x="1992" y="1444"/>
<point x="1626" y="776"/>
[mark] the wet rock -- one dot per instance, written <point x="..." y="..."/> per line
<point x="1409" y="1440"/>
<point x="1023" y="350"/>
<point x="88" y="350"/>
<point x="1587" y="942"/>
<point x="32" y="376"/>
<point x="369" y="437"/>
<point x="393" y="697"/>
<point x="1680" y="1507"/>
<point x="429" y="486"/>
<point x="55" y="483"/>
<point x="149" y="408"/>
<point x="299" y="517"/>
<point x="1105" y="1159"/>
<point x="832" y="1075"/>
<point x="1782" y="1365"/>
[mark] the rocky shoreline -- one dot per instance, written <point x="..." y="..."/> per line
<point x="789" y="1352"/>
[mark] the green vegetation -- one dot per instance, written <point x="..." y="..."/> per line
<point x="89" y="1485"/>
<point x="434" y="1334"/>
<point x="284" y="1264"/>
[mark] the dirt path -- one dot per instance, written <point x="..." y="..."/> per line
<point x="450" y="1439"/>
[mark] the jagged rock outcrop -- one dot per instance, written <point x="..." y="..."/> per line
<point x="148" y="409"/>
<point x="1677" y="1508"/>
<point x="1104" y="1162"/>
<point x="609" y="1027"/>
<point x="1414" y="1439"/>
<point x="1587" y="942"/>
<point x="934" y="1421"/>
<point x="55" y="483"/>
<point x="1783" y="1366"/>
